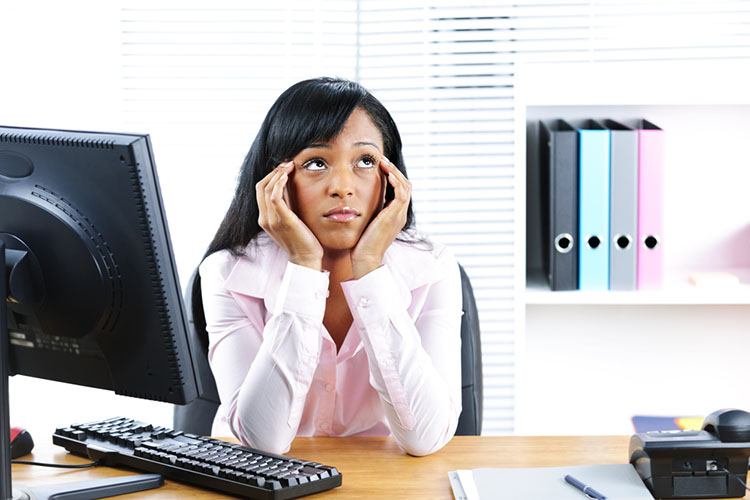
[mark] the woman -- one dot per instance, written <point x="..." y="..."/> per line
<point x="326" y="314"/>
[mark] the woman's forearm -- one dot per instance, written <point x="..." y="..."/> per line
<point x="414" y="364"/>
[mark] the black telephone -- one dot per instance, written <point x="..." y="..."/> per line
<point x="710" y="463"/>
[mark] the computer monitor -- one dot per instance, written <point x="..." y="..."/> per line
<point x="89" y="277"/>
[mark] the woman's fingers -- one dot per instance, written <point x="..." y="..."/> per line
<point x="401" y="188"/>
<point x="278" y="188"/>
<point x="264" y="192"/>
<point x="389" y="222"/>
<point x="279" y="221"/>
<point x="370" y="249"/>
<point x="396" y="179"/>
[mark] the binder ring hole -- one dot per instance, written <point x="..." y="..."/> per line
<point x="593" y="242"/>
<point x="650" y="242"/>
<point x="563" y="243"/>
<point x="623" y="241"/>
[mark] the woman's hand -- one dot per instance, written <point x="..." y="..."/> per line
<point x="283" y="225"/>
<point x="368" y="254"/>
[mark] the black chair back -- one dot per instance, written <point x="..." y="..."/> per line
<point x="470" y="420"/>
<point x="197" y="417"/>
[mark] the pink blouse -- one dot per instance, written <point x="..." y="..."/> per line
<point x="276" y="367"/>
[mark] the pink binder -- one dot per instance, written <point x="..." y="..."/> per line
<point x="650" y="205"/>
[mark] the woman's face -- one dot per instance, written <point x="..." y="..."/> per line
<point x="338" y="187"/>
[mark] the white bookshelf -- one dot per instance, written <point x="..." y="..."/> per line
<point x="704" y="108"/>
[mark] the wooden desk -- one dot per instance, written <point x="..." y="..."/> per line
<point x="375" y="468"/>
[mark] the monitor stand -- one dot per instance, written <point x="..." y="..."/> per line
<point x="21" y="260"/>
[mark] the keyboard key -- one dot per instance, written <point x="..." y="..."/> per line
<point x="273" y="485"/>
<point x="288" y="482"/>
<point x="78" y="435"/>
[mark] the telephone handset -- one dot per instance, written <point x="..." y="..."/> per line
<point x="712" y="462"/>
<point x="730" y="426"/>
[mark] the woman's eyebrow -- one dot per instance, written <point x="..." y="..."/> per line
<point x="356" y="144"/>
<point x="367" y="143"/>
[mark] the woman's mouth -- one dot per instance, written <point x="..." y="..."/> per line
<point x="342" y="214"/>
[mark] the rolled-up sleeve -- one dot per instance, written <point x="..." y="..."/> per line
<point x="414" y="363"/>
<point x="263" y="370"/>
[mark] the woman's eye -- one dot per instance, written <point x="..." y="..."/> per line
<point x="366" y="162"/>
<point x="314" y="165"/>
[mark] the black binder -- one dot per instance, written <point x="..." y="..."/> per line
<point x="558" y="142"/>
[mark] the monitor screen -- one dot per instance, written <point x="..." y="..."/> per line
<point x="99" y="302"/>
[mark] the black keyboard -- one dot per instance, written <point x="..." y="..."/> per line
<point x="210" y="463"/>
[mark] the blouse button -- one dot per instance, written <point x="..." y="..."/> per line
<point x="324" y="426"/>
<point x="329" y="387"/>
<point x="364" y="302"/>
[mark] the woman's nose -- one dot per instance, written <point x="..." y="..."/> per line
<point x="341" y="183"/>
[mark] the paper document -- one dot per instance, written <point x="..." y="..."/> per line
<point x="616" y="482"/>
<point x="458" y="490"/>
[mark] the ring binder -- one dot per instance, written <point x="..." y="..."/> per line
<point x="623" y="214"/>
<point x="593" y="211"/>
<point x="559" y="198"/>
<point x="650" y="204"/>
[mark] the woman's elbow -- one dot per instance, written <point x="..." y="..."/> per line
<point x="421" y="447"/>
<point x="265" y="441"/>
<point x="421" y="444"/>
<point x="271" y="445"/>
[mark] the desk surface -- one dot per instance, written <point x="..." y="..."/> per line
<point x="375" y="468"/>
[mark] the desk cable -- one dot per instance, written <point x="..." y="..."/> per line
<point x="62" y="466"/>
<point x="717" y="464"/>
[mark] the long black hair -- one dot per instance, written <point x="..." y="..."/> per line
<point x="308" y="112"/>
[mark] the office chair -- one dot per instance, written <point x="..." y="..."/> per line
<point x="470" y="420"/>
<point x="198" y="417"/>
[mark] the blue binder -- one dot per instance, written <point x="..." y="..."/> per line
<point x="593" y="213"/>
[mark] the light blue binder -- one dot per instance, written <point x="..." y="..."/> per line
<point x="593" y="203"/>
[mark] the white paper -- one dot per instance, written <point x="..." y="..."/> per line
<point x="462" y="483"/>
<point x="616" y="482"/>
<point x="458" y="491"/>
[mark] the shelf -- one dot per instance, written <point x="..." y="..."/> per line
<point x="677" y="291"/>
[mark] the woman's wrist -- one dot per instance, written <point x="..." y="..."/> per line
<point x="307" y="261"/>
<point x="360" y="268"/>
